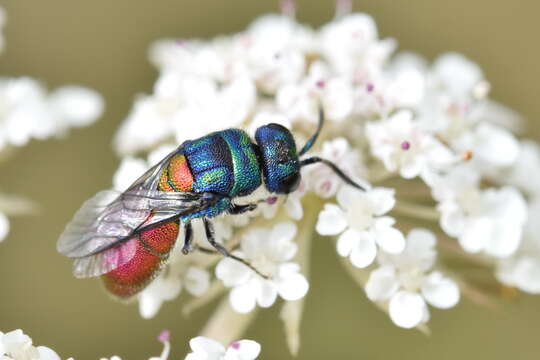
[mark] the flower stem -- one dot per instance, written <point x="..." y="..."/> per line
<point x="226" y="325"/>
<point x="13" y="205"/>
<point x="215" y="290"/>
<point x="416" y="211"/>
<point x="291" y="312"/>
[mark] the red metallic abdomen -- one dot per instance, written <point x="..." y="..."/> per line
<point x="152" y="250"/>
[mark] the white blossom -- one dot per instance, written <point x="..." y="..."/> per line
<point x="269" y="251"/>
<point x="489" y="220"/>
<point x="207" y="349"/>
<point x="403" y="146"/>
<point x="522" y="270"/>
<point x="322" y="180"/>
<point x="408" y="282"/>
<point x="27" y="111"/>
<point x="16" y="345"/>
<point x="524" y="172"/>
<point x="360" y="224"/>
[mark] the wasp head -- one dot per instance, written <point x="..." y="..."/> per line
<point x="279" y="158"/>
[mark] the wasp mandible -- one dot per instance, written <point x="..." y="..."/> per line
<point x="127" y="238"/>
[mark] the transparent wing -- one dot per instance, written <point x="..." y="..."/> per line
<point x="103" y="233"/>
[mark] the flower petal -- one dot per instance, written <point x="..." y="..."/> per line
<point x="293" y="287"/>
<point x="201" y="345"/>
<point x="382" y="284"/>
<point x="243" y="298"/>
<point x="406" y="309"/>
<point x="46" y="353"/>
<point x="347" y="241"/>
<point x="440" y="291"/>
<point x="365" y="251"/>
<point x="243" y="350"/>
<point x="267" y="293"/>
<point x="332" y="220"/>
<point x="383" y="200"/>
<point x="232" y="272"/>
<point x="390" y="240"/>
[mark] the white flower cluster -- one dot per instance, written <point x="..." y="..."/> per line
<point x="435" y="148"/>
<point x="28" y="111"/>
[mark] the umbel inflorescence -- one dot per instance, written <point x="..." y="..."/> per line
<point x="444" y="171"/>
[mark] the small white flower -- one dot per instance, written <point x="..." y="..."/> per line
<point x="359" y="221"/>
<point x="491" y="146"/>
<point x="322" y="179"/>
<point x="352" y="47"/>
<point x="488" y="220"/>
<point x="27" y="111"/>
<point x="270" y="252"/>
<point x="456" y="74"/>
<point x="273" y="50"/>
<point x="403" y="146"/>
<point x="407" y="282"/>
<point x="300" y="101"/>
<point x="525" y="172"/>
<point x="15" y="345"/>
<point x="207" y="349"/>
<point x="77" y="105"/>
<point x="522" y="270"/>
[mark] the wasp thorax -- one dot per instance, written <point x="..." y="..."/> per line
<point x="279" y="159"/>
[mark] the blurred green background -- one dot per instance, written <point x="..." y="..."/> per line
<point x="103" y="44"/>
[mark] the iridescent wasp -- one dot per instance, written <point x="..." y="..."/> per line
<point x="127" y="238"/>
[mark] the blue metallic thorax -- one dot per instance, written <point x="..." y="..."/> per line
<point x="224" y="163"/>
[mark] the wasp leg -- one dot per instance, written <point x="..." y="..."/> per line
<point x="188" y="239"/>
<point x="240" y="209"/>
<point x="209" y="229"/>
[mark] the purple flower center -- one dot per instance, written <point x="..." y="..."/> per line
<point x="164" y="336"/>
<point x="370" y="87"/>
<point x="271" y="200"/>
<point x="405" y="145"/>
<point x="181" y="42"/>
<point x="320" y="83"/>
<point x="236" y="345"/>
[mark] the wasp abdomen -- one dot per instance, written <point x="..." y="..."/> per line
<point x="152" y="249"/>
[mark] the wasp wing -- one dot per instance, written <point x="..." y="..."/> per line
<point x="102" y="234"/>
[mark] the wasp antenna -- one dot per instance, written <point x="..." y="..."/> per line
<point x="312" y="140"/>
<point x="331" y="165"/>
